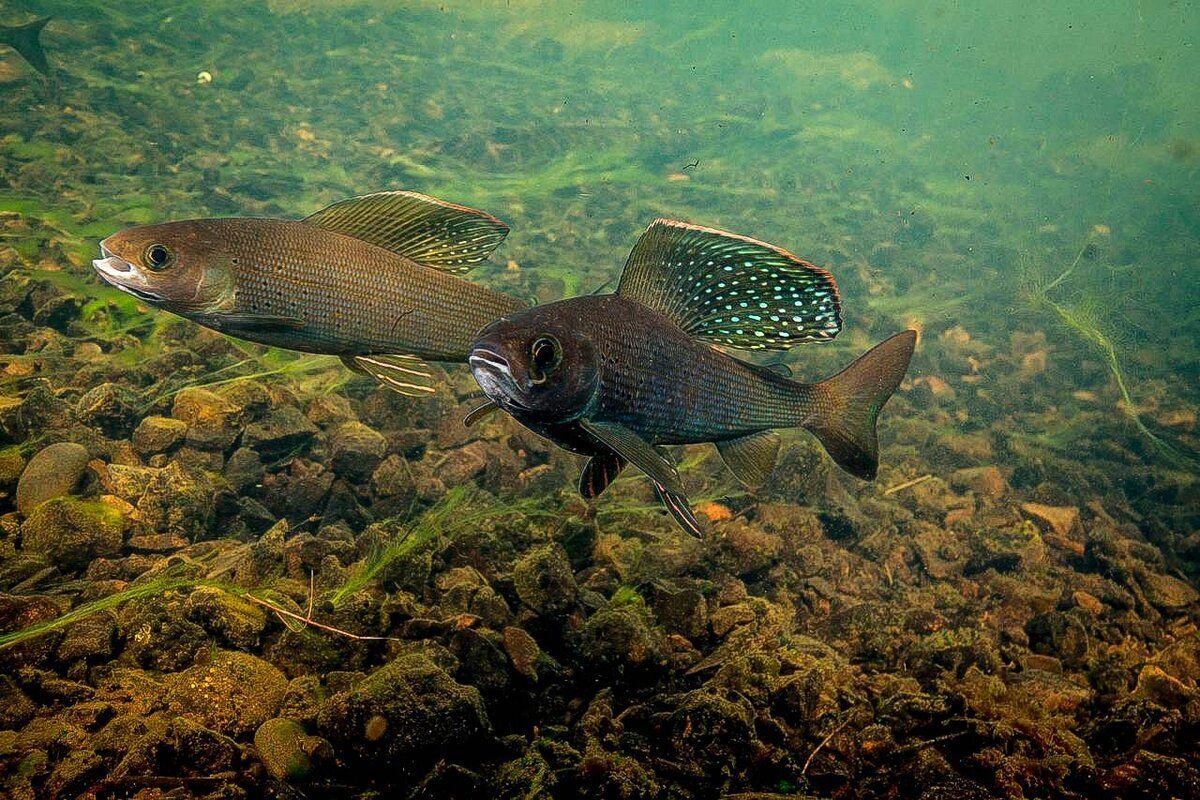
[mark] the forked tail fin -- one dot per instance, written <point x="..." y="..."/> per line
<point x="24" y="39"/>
<point x="849" y="402"/>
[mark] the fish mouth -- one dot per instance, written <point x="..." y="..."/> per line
<point x="494" y="375"/>
<point x="121" y="274"/>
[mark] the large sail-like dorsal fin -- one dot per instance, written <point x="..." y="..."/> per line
<point x="730" y="289"/>
<point x="432" y="232"/>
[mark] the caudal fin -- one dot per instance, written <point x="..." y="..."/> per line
<point x="849" y="402"/>
<point x="24" y="39"/>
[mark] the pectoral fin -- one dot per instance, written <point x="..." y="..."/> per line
<point x="429" y="231"/>
<point x="600" y="470"/>
<point x="677" y="503"/>
<point x="729" y="289"/>
<point x="751" y="458"/>
<point x="637" y="451"/>
<point x="476" y="414"/>
<point x="407" y="375"/>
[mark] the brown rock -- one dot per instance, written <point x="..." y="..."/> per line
<point x="1156" y="686"/>
<point x="211" y="419"/>
<point x="1062" y="520"/>
<point x="355" y="450"/>
<point x="158" y="435"/>
<point x="523" y="650"/>
<point x="726" y="618"/>
<point x="986" y="481"/>
<point x="1165" y="591"/>
<point x="157" y="542"/>
<point x="1088" y="602"/>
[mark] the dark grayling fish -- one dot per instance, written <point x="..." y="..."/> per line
<point x="25" y="39"/>
<point x="612" y="376"/>
<point x="370" y="279"/>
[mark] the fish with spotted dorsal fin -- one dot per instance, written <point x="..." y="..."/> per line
<point x="371" y="279"/>
<point x="615" y="376"/>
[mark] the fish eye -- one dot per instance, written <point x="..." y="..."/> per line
<point x="158" y="257"/>
<point x="545" y="354"/>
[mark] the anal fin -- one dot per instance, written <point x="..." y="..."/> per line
<point x="751" y="458"/>
<point x="600" y="470"/>
<point x="407" y="375"/>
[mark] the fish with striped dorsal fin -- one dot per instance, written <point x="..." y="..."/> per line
<point x="373" y="279"/>
<point x="615" y="376"/>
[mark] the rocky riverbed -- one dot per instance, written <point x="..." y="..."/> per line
<point x="216" y="582"/>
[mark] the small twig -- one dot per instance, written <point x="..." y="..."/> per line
<point x="907" y="484"/>
<point x="308" y="620"/>
<point x="310" y="593"/>
<point x="825" y="741"/>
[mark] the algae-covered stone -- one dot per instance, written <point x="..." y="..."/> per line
<point x="281" y="432"/>
<point x="355" y="450"/>
<point x="158" y="435"/>
<point x="211" y="419"/>
<point x="621" y="637"/>
<point x="283" y="747"/>
<point x="71" y="532"/>
<point x="523" y="650"/>
<point x="177" y="500"/>
<point x="1166" y="591"/>
<point x="240" y="622"/>
<point x="54" y="471"/>
<point x="12" y="464"/>
<point x="232" y="693"/>
<point x="109" y="407"/>
<point x="404" y="717"/>
<point x="544" y="580"/>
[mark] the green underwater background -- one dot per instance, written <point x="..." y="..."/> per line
<point x="228" y="571"/>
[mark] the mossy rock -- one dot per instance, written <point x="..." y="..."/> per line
<point x="284" y="748"/>
<point x="232" y="693"/>
<point x="404" y="717"/>
<point x="544" y="579"/>
<point x="72" y="532"/>
<point x="54" y="471"/>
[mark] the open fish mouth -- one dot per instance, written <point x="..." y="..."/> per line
<point x="494" y="376"/>
<point x="119" y="273"/>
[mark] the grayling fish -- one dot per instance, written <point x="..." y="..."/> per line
<point x="369" y="279"/>
<point x="613" y="376"/>
<point x="25" y="39"/>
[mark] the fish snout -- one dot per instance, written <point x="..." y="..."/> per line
<point x="117" y="272"/>
<point x="487" y="359"/>
<point x="111" y="265"/>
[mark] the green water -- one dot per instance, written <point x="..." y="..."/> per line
<point x="1019" y="185"/>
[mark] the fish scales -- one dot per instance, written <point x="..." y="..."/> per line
<point x="383" y="301"/>
<point x="612" y="376"/>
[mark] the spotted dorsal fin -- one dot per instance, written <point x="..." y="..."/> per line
<point x="432" y="232"/>
<point x="729" y="289"/>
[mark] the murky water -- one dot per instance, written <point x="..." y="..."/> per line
<point x="227" y="570"/>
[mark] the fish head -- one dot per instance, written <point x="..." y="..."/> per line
<point x="536" y="366"/>
<point x="180" y="266"/>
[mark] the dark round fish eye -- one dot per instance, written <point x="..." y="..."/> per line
<point x="158" y="256"/>
<point x="545" y="355"/>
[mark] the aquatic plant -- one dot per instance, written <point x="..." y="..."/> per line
<point x="463" y="508"/>
<point x="1085" y="315"/>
